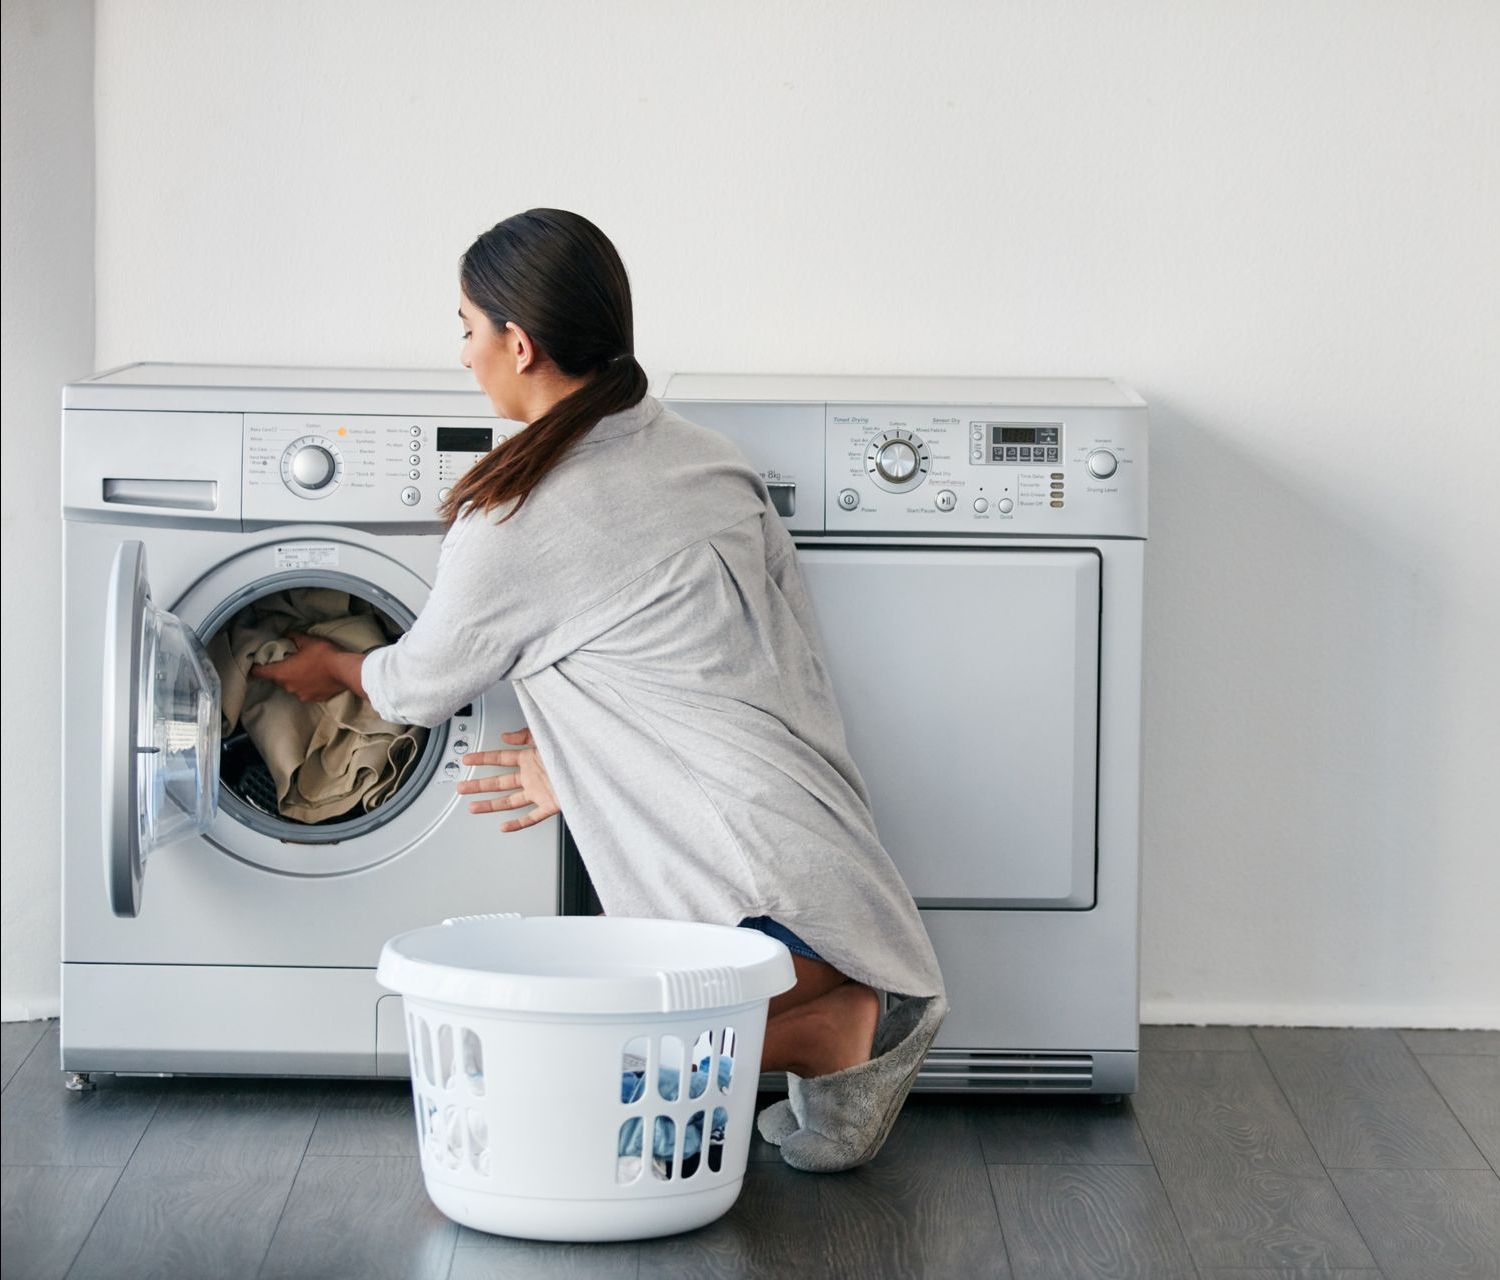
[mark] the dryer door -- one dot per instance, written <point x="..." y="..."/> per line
<point x="159" y="731"/>
<point x="968" y="679"/>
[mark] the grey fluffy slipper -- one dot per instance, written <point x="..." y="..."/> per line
<point x="834" y="1122"/>
<point x="777" y="1121"/>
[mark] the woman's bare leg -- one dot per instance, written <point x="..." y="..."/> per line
<point x="823" y="1024"/>
<point x="814" y="978"/>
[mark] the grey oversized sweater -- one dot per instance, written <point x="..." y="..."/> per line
<point x="647" y="606"/>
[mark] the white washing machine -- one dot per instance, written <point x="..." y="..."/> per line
<point x="974" y="549"/>
<point x="202" y="932"/>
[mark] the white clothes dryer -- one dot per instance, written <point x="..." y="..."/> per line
<point x="202" y="931"/>
<point x="974" y="550"/>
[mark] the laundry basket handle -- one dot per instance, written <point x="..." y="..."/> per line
<point x="484" y="915"/>
<point x="685" y="989"/>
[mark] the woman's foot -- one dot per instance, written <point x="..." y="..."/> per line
<point x="834" y="1122"/>
<point x="829" y="1033"/>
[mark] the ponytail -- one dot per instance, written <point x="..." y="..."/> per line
<point x="556" y="276"/>
<point x="513" y="468"/>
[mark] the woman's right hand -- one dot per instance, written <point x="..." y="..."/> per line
<point x="528" y="785"/>
<point x="315" y="670"/>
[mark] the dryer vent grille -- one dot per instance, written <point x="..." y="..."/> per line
<point x="1002" y="1070"/>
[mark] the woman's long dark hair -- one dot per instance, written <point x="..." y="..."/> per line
<point x="556" y="276"/>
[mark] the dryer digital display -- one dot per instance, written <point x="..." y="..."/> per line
<point x="1022" y="442"/>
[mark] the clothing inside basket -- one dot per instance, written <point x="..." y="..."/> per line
<point x="663" y="1134"/>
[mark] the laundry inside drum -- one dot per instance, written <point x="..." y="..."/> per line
<point x="324" y="770"/>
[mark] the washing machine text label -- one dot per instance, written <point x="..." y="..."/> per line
<point x="307" y="555"/>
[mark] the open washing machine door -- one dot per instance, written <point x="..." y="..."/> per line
<point x="160" y="731"/>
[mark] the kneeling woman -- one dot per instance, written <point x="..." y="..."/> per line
<point x="625" y="570"/>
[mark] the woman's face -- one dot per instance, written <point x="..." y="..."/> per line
<point x="496" y="358"/>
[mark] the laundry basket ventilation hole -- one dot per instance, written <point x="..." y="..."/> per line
<point x="452" y="1133"/>
<point x="712" y="1059"/>
<point x="669" y="1073"/>
<point x="470" y="1048"/>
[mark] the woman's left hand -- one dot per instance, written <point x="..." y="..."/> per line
<point x="528" y="785"/>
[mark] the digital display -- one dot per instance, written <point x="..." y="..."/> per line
<point x="1022" y="443"/>
<point x="464" y="439"/>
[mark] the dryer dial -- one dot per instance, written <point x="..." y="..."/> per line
<point x="897" y="460"/>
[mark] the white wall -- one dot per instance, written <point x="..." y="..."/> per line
<point x="48" y="337"/>
<point x="1277" y="220"/>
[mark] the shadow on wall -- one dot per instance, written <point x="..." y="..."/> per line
<point x="1301" y="847"/>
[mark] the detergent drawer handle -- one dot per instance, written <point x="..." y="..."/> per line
<point x="185" y="495"/>
<point x="783" y="497"/>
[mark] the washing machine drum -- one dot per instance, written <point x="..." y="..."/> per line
<point x="309" y="771"/>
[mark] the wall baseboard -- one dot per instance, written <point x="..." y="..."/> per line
<point x="1153" y="1013"/>
<point x="1412" y="1017"/>
<point x="21" y="1009"/>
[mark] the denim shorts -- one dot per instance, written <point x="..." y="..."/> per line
<point x="781" y="933"/>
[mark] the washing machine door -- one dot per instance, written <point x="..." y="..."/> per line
<point x="160" y="731"/>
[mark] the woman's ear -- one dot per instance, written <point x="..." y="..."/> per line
<point x="519" y="345"/>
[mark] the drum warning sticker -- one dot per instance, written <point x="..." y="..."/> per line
<point x="308" y="555"/>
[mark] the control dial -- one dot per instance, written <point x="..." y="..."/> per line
<point x="897" y="460"/>
<point x="1102" y="464"/>
<point x="311" y="467"/>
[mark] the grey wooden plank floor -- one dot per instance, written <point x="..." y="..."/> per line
<point x="1247" y="1154"/>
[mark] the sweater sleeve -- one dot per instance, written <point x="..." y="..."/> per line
<point x="486" y="607"/>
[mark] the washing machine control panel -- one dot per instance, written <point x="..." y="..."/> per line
<point x="358" y="469"/>
<point x="979" y="469"/>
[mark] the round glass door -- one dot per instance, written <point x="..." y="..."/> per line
<point x="178" y="778"/>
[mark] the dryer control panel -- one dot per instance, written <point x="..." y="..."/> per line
<point x="985" y="469"/>
<point x="966" y="457"/>
<point x="358" y="469"/>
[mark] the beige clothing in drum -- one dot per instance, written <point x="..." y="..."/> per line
<point x="328" y="759"/>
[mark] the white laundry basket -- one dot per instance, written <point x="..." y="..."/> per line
<point x="584" y="1077"/>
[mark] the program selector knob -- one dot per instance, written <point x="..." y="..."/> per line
<point x="1102" y="464"/>
<point x="897" y="461"/>
<point x="312" y="466"/>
